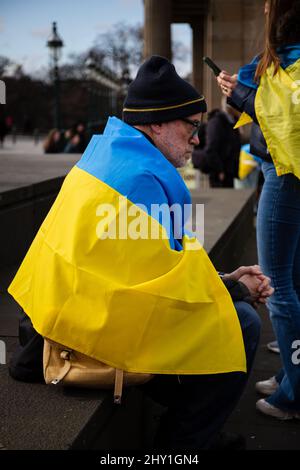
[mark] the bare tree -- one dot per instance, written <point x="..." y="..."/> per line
<point x="179" y="51"/>
<point x="74" y="68"/>
<point x="4" y="63"/>
<point x="120" y="49"/>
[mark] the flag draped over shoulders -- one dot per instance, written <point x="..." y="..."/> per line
<point x="277" y="107"/>
<point x="142" y="304"/>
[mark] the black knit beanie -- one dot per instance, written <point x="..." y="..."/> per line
<point x="158" y="95"/>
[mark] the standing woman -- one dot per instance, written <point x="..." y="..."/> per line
<point x="268" y="90"/>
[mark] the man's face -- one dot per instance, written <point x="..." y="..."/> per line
<point x="177" y="139"/>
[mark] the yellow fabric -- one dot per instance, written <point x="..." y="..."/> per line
<point x="246" y="164"/>
<point x="243" y="120"/>
<point x="134" y="304"/>
<point x="277" y="106"/>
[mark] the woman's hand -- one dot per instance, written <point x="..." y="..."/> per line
<point x="227" y="82"/>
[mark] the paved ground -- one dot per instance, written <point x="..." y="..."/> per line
<point x="21" y="170"/>
<point x="22" y="144"/>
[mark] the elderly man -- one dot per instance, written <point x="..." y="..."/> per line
<point x="113" y="274"/>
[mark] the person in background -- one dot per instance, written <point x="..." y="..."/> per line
<point x="81" y="132"/>
<point x="76" y="142"/>
<point x="220" y="155"/>
<point x="3" y="130"/>
<point x="9" y="123"/>
<point x="54" y="142"/>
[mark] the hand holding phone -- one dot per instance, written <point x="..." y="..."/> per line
<point x="212" y="65"/>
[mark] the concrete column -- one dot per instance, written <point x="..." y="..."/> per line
<point x="254" y="28"/>
<point x="198" y="39"/>
<point x="157" y="28"/>
<point x="224" y="43"/>
<point x="233" y="35"/>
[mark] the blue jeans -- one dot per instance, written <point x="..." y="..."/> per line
<point x="278" y="241"/>
<point x="199" y="405"/>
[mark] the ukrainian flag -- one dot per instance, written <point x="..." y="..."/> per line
<point x="138" y="303"/>
<point x="247" y="163"/>
<point x="277" y="108"/>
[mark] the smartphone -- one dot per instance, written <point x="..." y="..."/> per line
<point x="212" y="65"/>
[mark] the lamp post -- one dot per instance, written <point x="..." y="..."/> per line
<point x="55" y="45"/>
<point x="90" y="71"/>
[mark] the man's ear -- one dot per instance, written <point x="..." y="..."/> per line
<point x="156" y="128"/>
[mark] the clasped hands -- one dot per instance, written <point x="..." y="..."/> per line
<point x="257" y="283"/>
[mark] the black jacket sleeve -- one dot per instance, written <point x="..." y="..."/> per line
<point x="243" y="99"/>
<point x="26" y="363"/>
<point x="238" y="291"/>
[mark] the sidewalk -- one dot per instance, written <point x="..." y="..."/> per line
<point x="23" y="144"/>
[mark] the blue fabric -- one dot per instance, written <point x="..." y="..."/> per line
<point x="278" y="238"/>
<point x="125" y="160"/>
<point x="246" y="148"/>
<point x="247" y="72"/>
<point x="287" y="54"/>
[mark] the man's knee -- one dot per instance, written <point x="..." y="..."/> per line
<point x="249" y="320"/>
<point x="250" y="325"/>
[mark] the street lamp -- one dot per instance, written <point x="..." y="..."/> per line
<point x="55" y="45"/>
<point x="90" y="73"/>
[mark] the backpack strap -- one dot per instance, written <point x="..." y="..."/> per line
<point x="118" y="386"/>
<point x="66" y="356"/>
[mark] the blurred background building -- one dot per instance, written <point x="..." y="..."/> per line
<point x="93" y="84"/>
<point x="228" y="31"/>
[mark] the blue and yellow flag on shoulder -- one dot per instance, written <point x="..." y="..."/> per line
<point x="247" y="162"/>
<point x="146" y="303"/>
<point x="277" y="107"/>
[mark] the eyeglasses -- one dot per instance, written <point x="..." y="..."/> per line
<point x="196" y="124"/>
